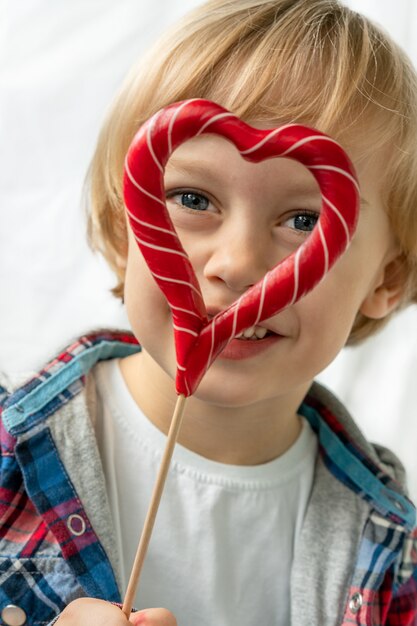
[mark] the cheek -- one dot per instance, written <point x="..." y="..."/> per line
<point x="198" y="247"/>
<point x="327" y="314"/>
<point x="146" y="306"/>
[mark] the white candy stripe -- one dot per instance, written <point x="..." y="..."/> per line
<point x="142" y="223"/>
<point x="179" y="282"/>
<point x="235" y="316"/>
<point x="213" y="323"/>
<point x="265" y="139"/>
<point x="181" y="367"/>
<point x="325" y="248"/>
<point x="172" y="122"/>
<point x="185" y="330"/>
<point x="150" y="146"/>
<point x="219" y="116"/>
<point x="296" y="274"/>
<point x="339" y="215"/>
<point x="307" y="140"/>
<point x="231" y="337"/>
<point x="178" y="308"/>
<point x="147" y="193"/>
<point x="161" y="248"/>
<point x="262" y="298"/>
<point x="332" y="168"/>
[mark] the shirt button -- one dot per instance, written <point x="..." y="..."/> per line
<point x="356" y="602"/>
<point x="76" y="525"/>
<point x="13" y="615"/>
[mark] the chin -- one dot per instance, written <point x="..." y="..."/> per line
<point x="229" y="392"/>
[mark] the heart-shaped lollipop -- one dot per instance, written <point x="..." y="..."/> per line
<point x="198" y="341"/>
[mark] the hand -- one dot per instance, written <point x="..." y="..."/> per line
<point x="90" y="612"/>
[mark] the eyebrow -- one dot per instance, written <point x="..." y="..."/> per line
<point x="187" y="167"/>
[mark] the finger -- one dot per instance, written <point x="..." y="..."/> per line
<point x="153" y="617"/>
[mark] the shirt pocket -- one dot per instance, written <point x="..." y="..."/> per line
<point x="40" y="587"/>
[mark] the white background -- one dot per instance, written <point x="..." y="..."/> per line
<point x="60" y="64"/>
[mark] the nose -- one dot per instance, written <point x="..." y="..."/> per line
<point x="239" y="258"/>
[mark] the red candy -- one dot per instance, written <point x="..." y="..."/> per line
<point x="199" y="341"/>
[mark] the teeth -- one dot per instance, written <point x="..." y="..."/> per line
<point x="260" y="332"/>
<point x="254" y="332"/>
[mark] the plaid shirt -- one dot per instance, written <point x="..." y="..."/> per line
<point x="50" y="552"/>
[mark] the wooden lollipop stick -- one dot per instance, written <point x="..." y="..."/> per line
<point x="154" y="505"/>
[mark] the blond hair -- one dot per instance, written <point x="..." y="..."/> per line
<point x="312" y="61"/>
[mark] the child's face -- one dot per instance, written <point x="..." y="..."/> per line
<point x="236" y="220"/>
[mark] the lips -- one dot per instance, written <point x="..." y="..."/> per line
<point x="253" y="333"/>
<point x="239" y="349"/>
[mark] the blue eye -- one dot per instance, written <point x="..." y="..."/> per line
<point x="304" y="222"/>
<point x="194" y="201"/>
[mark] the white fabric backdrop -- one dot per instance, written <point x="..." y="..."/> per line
<point x="60" y="64"/>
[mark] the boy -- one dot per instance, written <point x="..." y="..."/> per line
<point x="277" y="510"/>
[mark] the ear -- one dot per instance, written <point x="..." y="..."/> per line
<point x="389" y="289"/>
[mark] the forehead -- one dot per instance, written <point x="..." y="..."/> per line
<point x="216" y="158"/>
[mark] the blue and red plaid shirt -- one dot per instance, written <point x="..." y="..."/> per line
<point x="51" y="554"/>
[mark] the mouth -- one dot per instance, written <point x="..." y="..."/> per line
<point x="249" y="343"/>
<point x="242" y="348"/>
<point x="255" y="333"/>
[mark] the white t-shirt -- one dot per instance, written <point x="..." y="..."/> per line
<point x="222" y="547"/>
